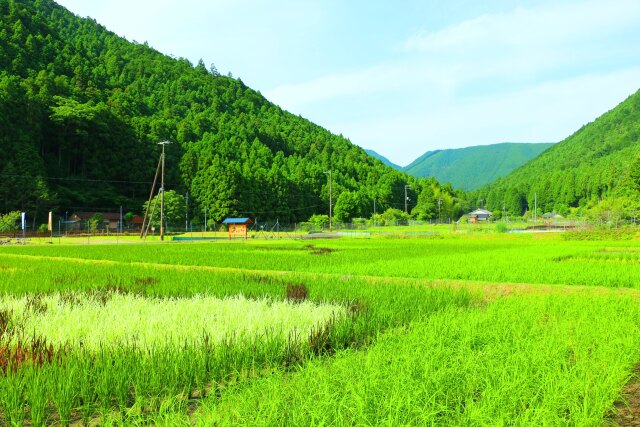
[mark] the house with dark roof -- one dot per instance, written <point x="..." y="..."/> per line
<point x="78" y="220"/>
<point x="552" y="215"/>
<point x="479" y="215"/>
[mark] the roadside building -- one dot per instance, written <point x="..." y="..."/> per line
<point x="78" y="220"/>
<point x="552" y="215"/>
<point x="135" y="223"/>
<point x="238" y="227"/>
<point x="479" y="215"/>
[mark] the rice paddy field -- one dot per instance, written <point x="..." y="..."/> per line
<point x="440" y="329"/>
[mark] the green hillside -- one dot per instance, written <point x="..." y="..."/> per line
<point x="597" y="169"/>
<point x="82" y="111"/>
<point x="472" y="167"/>
<point x="383" y="159"/>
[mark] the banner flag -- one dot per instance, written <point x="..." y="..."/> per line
<point x="50" y="224"/>
<point x="24" y="221"/>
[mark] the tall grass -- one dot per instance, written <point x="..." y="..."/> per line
<point x="520" y="361"/>
<point x="95" y="320"/>
<point x="98" y="372"/>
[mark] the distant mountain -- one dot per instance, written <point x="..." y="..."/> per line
<point x="383" y="159"/>
<point x="472" y="167"/>
<point x="597" y="167"/>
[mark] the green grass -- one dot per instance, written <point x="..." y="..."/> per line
<point x="406" y="349"/>
<point x="527" y="361"/>
<point x="493" y="258"/>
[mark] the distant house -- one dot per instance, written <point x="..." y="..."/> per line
<point x="552" y="215"/>
<point x="78" y="220"/>
<point x="135" y="223"/>
<point x="479" y="215"/>
<point x="238" y="227"/>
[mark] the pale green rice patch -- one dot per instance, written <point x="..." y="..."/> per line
<point x="149" y="322"/>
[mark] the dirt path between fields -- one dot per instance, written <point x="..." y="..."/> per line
<point x="627" y="413"/>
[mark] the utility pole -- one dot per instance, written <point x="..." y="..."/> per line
<point x="163" y="143"/>
<point x="504" y="211"/>
<point x="535" y="210"/>
<point x="406" y="198"/>
<point x="186" y="214"/>
<point x="205" y="219"/>
<point x="375" y="219"/>
<point x="147" y="224"/>
<point x="330" y="197"/>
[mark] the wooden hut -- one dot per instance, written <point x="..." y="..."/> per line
<point x="238" y="227"/>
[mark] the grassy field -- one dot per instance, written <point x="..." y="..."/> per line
<point x="443" y="329"/>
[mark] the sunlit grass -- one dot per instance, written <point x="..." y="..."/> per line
<point x="103" y="319"/>
<point x="521" y="361"/>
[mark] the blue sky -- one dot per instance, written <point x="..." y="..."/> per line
<point x="407" y="76"/>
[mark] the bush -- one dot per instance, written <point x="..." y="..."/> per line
<point x="393" y="217"/>
<point x="9" y="222"/>
<point x="319" y="221"/>
<point x="501" y="227"/>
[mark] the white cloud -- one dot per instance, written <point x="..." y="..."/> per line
<point x="491" y="52"/>
<point x="384" y="78"/>
<point x="530" y="28"/>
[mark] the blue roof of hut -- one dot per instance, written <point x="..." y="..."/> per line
<point x="238" y="221"/>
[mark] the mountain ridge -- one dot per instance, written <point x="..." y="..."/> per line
<point x="383" y="159"/>
<point x="600" y="162"/>
<point x="470" y="168"/>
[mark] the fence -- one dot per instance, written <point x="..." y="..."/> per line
<point x="305" y="230"/>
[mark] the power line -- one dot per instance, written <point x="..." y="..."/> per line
<point x="75" y="179"/>
<point x="280" y="211"/>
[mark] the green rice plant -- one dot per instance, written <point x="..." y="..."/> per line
<point x="536" y="360"/>
<point x="172" y="354"/>
<point x="173" y="320"/>
<point x="86" y="392"/>
<point x="36" y="396"/>
<point x="122" y="366"/>
<point x="103" y="383"/>
<point x="12" y="396"/>
<point x="204" y="268"/>
<point x="63" y="390"/>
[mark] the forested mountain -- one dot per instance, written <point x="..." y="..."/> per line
<point x="383" y="159"/>
<point x="472" y="167"/>
<point x="82" y="111"/>
<point x="597" y="168"/>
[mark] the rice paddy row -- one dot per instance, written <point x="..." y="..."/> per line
<point x="381" y="331"/>
<point x="499" y="259"/>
